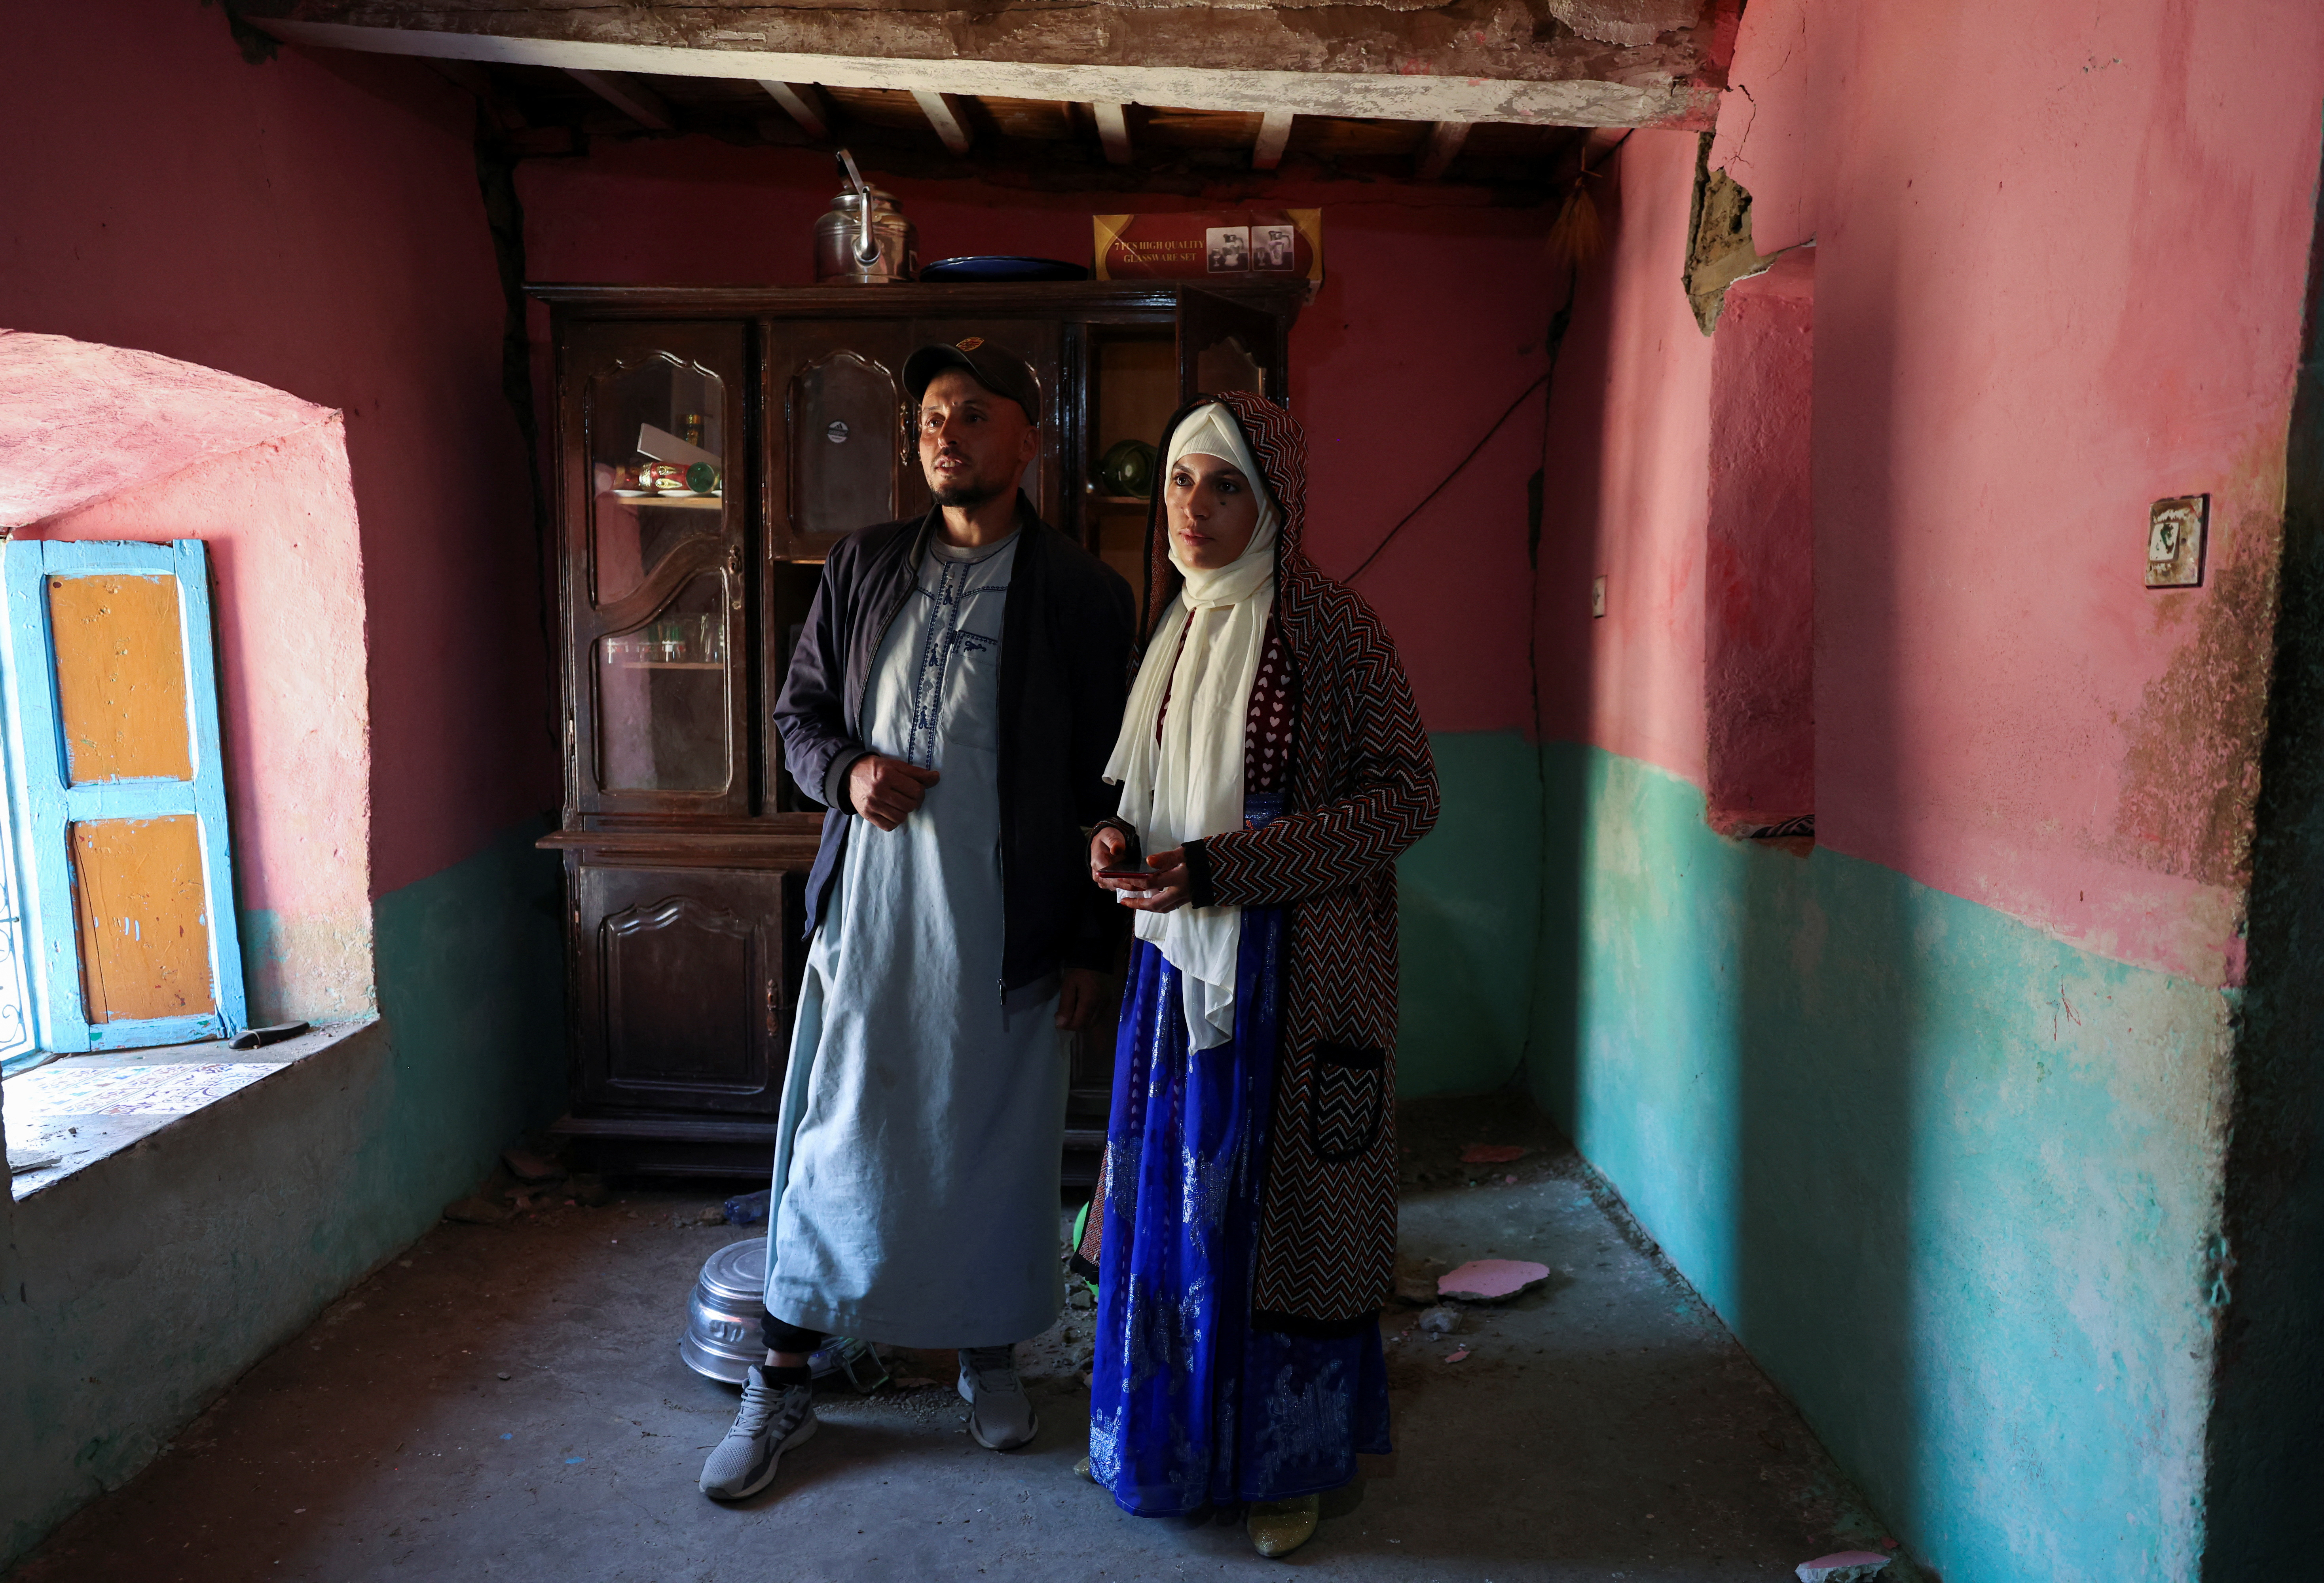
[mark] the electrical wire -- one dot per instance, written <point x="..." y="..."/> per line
<point x="1388" y="538"/>
<point x="1391" y="535"/>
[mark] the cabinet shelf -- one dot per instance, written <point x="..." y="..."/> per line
<point x="670" y="665"/>
<point x="1120" y="501"/>
<point x="683" y="503"/>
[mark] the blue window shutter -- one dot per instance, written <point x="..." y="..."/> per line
<point x="51" y="804"/>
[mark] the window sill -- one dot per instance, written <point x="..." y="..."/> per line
<point x="84" y="1109"/>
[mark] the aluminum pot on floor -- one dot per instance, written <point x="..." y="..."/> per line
<point x="723" y="1339"/>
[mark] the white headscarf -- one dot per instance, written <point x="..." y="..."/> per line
<point x="1188" y="783"/>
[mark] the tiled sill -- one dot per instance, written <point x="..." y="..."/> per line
<point x="85" y="1107"/>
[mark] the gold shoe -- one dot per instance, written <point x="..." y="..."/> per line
<point x="1276" y="1528"/>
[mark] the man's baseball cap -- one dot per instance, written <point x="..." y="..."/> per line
<point x="1003" y="373"/>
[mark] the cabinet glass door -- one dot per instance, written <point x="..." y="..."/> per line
<point x="653" y="569"/>
<point x="1225" y="346"/>
<point x="836" y="441"/>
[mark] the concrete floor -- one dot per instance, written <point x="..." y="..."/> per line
<point x="507" y="1402"/>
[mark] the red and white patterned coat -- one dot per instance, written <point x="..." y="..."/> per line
<point x="1362" y="789"/>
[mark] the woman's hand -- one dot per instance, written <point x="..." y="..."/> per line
<point x="1106" y="846"/>
<point x="1162" y="888"/>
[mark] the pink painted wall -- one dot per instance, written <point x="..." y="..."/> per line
<point x="1430" y="324"/>
<point x="279" y="522"/>
<point x="1758" y="679"/>
<point x="313" y="224"/>
<point x="105" y="443"/>
<point x="2059" y="260"/>
<point x="1627" y="479"/>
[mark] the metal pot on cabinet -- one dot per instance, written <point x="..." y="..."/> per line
<point x="863" y="238"/>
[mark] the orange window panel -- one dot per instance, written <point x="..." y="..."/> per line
<point x="120" y="678"/>
<point x="139" y="906"/>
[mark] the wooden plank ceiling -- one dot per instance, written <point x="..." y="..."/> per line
<point x="1042" y="144"/>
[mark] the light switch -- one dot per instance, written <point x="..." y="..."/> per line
<point x="2174" y="542"/>
<point x="1597" y="595"/>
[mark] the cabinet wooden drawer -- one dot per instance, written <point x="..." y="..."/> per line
<point x="686" y="999"/>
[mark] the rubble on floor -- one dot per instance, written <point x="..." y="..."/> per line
<point x="508" y="1401"/>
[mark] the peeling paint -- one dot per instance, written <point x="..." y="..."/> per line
<point x="1719" y="250"/>
<point x="2190" y="774"/>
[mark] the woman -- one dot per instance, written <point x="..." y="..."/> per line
<point x="1272" y="766"/>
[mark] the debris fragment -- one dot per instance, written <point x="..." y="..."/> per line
<point x="1492" y="1153"/>
<point x="21" y="1161"/>
<point x="527" y="1164"/>
<point x="1440" y="1320"/>
<point x="1456" y="1354"/>
<point x="1416" y="1287"/>
<point x="503" y="1374"/>
<point x="259" y="1038"/>
<point x="587" y="1188"/>
<point x="749" y="1208"/>
<point x="1511" y="1179"/>
<point x="1848" y="1566"/>
<point x="476" y="1212"/>
<point x="1491" y="1279"/>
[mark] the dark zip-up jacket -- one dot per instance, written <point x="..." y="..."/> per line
<point x="1066" y="634"/>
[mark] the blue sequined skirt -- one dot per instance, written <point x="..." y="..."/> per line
<point x="1191" y="1406"/>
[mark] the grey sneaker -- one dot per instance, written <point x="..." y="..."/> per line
<point x="771" y="1420"/>
<point x="1000" y="1416"/>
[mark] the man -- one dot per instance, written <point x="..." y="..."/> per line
<point x="952" y="700"/>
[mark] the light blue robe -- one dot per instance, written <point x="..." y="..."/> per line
<point x="916" y="1182"/>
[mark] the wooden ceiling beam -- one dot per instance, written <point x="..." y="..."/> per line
<point x="1375" y="62"/>
<point x="1113" y="131"/>
<point x="634" y="100"/>
<point x="1274" y="133"/>
<point x="1444" y="141"/>
<point x="944" y="114"/>
<point x="800" y="101"/>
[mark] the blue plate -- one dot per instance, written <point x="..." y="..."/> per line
<point x="994" y="266"/>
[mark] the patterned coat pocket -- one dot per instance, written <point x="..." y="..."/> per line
<point x="1350" y="1101"/>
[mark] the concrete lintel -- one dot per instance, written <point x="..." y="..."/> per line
<point x="639" y="103"/>
<point x="1654" y="99"/>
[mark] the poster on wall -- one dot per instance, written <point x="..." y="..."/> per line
<point x="1244" y="243"/>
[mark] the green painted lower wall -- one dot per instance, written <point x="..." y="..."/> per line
<point x="472" y="989"/>
<point x="138" y="1289"/>
<point x="1953" y="1182"/>
<point x="1470" y="910"/>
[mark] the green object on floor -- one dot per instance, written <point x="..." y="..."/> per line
<point x="1081" y="1225"/>
<point x="1276" y="1528"/>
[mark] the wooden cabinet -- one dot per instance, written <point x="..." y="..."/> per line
<point x="712" y="444"/>
<point x="682" y="972"/>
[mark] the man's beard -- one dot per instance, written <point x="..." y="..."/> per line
<point x="967" y="495"/>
